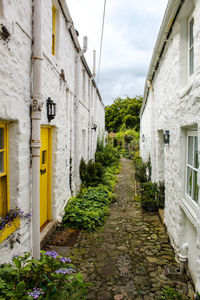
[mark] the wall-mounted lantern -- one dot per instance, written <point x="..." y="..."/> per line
<point x="51" y="109"/>
<point x="94" y="127"/>
<point x="166" y="137"/>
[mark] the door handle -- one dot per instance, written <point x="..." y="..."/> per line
<point x="42" y="171"/>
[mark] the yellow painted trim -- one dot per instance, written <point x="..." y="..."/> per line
<point x="9" y="229"/>
<point x="4" y="125"/>
<point x="7" y="167"/>
<point x="49" y="173"/>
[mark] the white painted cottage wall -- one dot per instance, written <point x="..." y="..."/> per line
<point x="176" y="109"/>
<point x="15" y="99"/>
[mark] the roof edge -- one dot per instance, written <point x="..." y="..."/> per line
<point x="75" y="40"/>
<point x="171" y="12"/>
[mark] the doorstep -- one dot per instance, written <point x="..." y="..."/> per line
<point x="49" y="229"/>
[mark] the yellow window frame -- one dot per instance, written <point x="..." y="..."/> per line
<point x="4" y="176"/>
<point x="53" y="29"/>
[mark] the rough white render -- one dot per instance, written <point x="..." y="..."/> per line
<point x="176" y="107"/>
<point x="72" y="109"/>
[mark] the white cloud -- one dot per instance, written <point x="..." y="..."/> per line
<point x="131" y="28"/>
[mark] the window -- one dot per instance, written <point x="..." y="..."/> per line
<point x="192" y="189"/>
<point x="3" y="170"/>
<point x="191" y="45"/>
<point x="53" y="29"/>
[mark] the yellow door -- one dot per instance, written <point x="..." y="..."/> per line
<point x="45" y="172"/>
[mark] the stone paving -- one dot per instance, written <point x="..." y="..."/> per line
<point x="126" y="258"/>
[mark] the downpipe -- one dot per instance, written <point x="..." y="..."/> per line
<point x="36" y="108"/>
<point x="183" y="257"/>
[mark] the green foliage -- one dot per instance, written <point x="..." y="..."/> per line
<point x="107" y="156"/>
<point x="51" y="277"/>
<point x="123" y="113"/>
<point x="110" y="178"/>
<point x="89" y="209"/>
<point x="91" y="173"/>
<point x="149" y="192"/>
<point x="161" y="194"/>
<point x="171" y="294"/>
<point x="142" y="169"/>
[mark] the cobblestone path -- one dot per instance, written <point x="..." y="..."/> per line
<point x="125" y="259"/>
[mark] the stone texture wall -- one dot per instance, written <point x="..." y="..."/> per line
<point x="176" y="108"/>
<point x="59" y="81"/>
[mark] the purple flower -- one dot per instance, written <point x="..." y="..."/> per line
<point x="35" y="293"/>
<point x="15" y="256"/>
<point x="64" y="259"/>
<point x="53" y="254"/>
<point x="64" y="271"/>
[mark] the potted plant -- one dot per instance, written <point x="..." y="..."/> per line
<point x="149" y="192"/>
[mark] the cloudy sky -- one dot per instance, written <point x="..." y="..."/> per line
<point x="130" y="32"/>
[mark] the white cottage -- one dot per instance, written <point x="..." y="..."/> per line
<point x="42" y="63"/>
<point x="171" y="110"/>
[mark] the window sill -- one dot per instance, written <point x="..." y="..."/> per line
<point x="9" y="229"/>
<point x="185" y="91"/>
<point x="190" y="209"/>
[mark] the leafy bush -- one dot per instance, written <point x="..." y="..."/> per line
<point x="91" y="173"/>
<point x="52" y="277"/>
<point x="89" y="209"/>
<point x="109" y="178"/>
<point x="171" y="294"/>
<point x="161" y="194"/>
<point x="149" y="192"/>
<point x="141" y="171"/>
<point x="107" y="156"/>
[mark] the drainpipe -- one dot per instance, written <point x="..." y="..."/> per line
<point x="152" y="130"/>
<point x="183" y="257"/>
<point x="36" y="107"/>
<point x="77" y="118"/>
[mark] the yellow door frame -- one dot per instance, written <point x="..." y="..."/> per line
<point x="49" y="170"/>
<point x="4" y="125"/>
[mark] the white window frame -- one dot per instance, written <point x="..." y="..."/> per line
<point x="190" y="47"/>
<point x="189" y="205"/>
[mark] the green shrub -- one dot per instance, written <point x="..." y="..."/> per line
<point x="51" y="277"/>
<point x="107" y="156"/>
<point x="161" y="194"/>
<point x="171" y="294"/>
<point x="141" y="171"/>
<point x="89" y="209"/>
<point x="91" y="173"/>
<point x="109" y="178"/>
<point x="149" y="192"/>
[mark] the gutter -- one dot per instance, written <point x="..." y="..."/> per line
<point x="170" y="16"/>
<point x="74" y="37"/>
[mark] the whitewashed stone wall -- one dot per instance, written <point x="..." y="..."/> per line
<point x="72" y="109"/>
<point x="176" y="108"/>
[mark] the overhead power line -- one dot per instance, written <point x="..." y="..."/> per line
<point x="101" y="44"/>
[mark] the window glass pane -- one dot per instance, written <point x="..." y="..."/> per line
<point x="195" y="188"/>
<point x="196" y="160"/>
<point x="1" y="138"/>
<point x="191" y="60"/>
<point x="190" y="150"/>
<point x="1" y="162"/>
<point x="191" y="32"/>
<point x="189" y="181"/>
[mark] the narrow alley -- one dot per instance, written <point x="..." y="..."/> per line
<point x="126" y="258"/>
